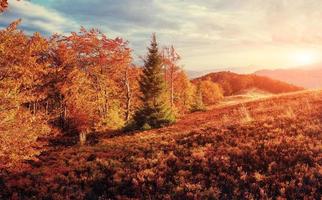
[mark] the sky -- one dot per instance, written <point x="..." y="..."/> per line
<point x="237" y="35"/>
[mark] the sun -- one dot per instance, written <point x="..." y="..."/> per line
<point x="304" y="57"/>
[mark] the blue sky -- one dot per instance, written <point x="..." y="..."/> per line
<point x="209" y="34"/>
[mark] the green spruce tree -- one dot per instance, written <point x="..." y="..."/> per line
<point x="156" y="111"/>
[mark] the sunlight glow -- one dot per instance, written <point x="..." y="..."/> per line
<point x="304" y="57"/>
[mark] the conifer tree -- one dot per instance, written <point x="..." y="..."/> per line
<point x="156" y="111"/>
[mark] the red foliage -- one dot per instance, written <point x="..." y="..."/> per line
<point x="200" y="157"/>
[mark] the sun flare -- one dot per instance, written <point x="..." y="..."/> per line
<point x="304" y="57"/>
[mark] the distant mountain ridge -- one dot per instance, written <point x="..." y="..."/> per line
<point x="233" y="83"/>
<point x="307" y="78"/>
<point x="192" y="74"/>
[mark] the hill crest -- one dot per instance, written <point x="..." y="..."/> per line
<point x="233" y="83"/>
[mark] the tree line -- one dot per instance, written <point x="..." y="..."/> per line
<point x="232" y="83"/>
<point x="84" y="82"/>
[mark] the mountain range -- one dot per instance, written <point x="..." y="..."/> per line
<point x="307" y="77"/>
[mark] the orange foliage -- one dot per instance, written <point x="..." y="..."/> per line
<point x="94" y="67"/>
<point x="211" y="92"/>
<point x="179" y="87"/>
<point x="183" y="93"/>
<point x="72" y="82"/>
<point x="85" y="82"/>
<point x="22" y="75"/>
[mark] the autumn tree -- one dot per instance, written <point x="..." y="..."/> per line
<point x="23" y="68"/>
<point x="183" y="93"/>
<point x="197" y="104"/>
<point x="211" y="92"/>
<point x="131" y="90"/>
<point x="155" y="111"/>
<point x="170" y="60"/>
<point x="91" y="70"/>
<point x="79" y="79"/>
<point x="79" y="97"/>
<point x="177" y="83"/>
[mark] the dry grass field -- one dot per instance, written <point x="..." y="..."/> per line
<point x="269" y="148"/>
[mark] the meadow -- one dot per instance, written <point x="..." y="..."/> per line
<point x="269" y="148"/>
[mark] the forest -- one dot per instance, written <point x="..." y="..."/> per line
<point x="84" y="82"/>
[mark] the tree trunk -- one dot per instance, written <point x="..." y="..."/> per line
<point x="128" y="96"/>
<point x="171" y="85"/>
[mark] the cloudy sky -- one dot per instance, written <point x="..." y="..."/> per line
<point x="243" y="35"/>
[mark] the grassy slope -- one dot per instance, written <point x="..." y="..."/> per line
<point x="265" y="148"/>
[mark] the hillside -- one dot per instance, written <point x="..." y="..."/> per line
<point x="305" y="77"/>
<point x="192" y="74"/>
<point x="262" y="149"/>
<point x="233" y="83"/>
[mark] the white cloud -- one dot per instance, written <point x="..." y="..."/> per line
<point x="37" y="18"/>
<point x="207" y="33"/>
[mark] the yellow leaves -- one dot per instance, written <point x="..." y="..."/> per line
<point x="211" y="92"/>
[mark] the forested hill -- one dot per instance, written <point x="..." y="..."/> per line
<point x="233" y="83"/>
